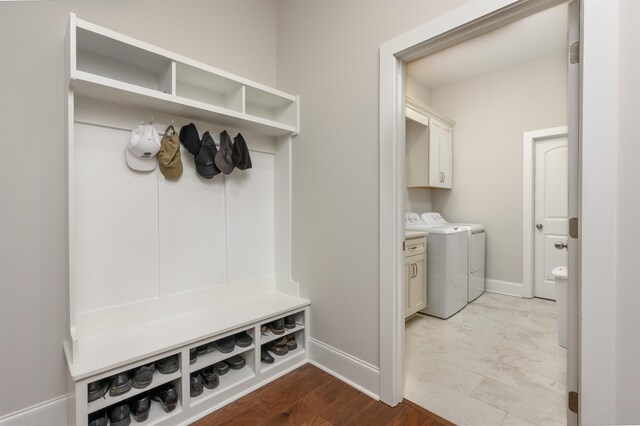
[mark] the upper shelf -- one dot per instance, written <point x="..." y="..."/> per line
<point x="106" y="65"/>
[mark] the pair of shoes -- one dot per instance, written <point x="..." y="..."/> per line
<point x="236" y="362"/>
<point x="242" y="339"/>
<point x="168" y="365"/>
<point x="283" y="346"/>
<point x="210" y="377"/>
<point x="278" y="347"/>
<point x="221" y="367"/>
<point x="99" y="418"/>
<point x="97" y="390"/>
<point x="167" y="396"/>
<point x="278" y="326"/>
<point x="120" y="415"/>
<point x="196" y="384"/>
<point x="120" y="383"/>
<point x="143" y="376"/>
<point x="290" y="322"/>
<point x="140" y="405"/>
<point x="225" y="345"/>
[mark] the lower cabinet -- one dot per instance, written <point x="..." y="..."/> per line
<point x="415" y="269"/>
<point x="186" y="383"/>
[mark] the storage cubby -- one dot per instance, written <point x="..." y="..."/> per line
<point x="211" y="358"/>
<point x="274" y="107"/>
<point x="200" y="85"/>
<point x="106" y="57"/>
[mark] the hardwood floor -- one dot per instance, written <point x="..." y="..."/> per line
<point x="309" y="396"/>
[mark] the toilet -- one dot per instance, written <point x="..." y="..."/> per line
<point x="560" y="275"/>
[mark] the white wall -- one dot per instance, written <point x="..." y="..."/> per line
<point x="328" y="54"/>
<point x="628" y="232"/>
<point x="491" y="112"/>
<point x="33" y="305"/>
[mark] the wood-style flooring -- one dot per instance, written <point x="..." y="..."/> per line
<point x="309" y="396"/>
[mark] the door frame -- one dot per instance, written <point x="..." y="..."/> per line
<point x="461" y="24"/>
<point x="529" y="140"/>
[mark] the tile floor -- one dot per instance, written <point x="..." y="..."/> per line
<point x="496" y="362"/>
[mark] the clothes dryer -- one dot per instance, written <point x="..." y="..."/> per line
<point x="447" y="266"/>
<point x="476" y="234"/>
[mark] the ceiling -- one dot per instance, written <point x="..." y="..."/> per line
<point x="533" y="37"/>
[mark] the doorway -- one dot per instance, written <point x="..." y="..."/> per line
<point x="469" y="23"/>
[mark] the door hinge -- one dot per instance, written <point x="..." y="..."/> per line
<point x="574" y="53"/>
<point x="573" y="401"/>
<point x="573" y="227"/>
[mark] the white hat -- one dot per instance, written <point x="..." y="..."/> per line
<point x="142" y="148"/>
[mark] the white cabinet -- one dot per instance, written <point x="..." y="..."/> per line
<point x="428" y="139"/>
<point x="415" y="269"/>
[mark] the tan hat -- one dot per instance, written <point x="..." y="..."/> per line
<point x="169" y="155"/>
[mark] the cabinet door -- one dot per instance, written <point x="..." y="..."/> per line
<point x="435" y="134"/>
<point x="446" y="156"/>
<point x="418" y="284"/>
<point x="408" y="276"/>
<point x="440" y="159"/>
<point x="417" y="149"/>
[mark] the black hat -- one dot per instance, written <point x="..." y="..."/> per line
<point x="223" y="157"/>
<point x="240" y="153"/>
<point x="205" y="165"/>
<point x="190" y="139"/>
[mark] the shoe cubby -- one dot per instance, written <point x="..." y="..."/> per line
<point x="231" y="379"/>
<point x="103" y="56"/>
<point x="292" y="355"/>
<point x="214" y="356"/>
<point x="107" y="402"/>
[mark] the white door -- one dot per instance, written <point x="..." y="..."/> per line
<point x="445" y="155"/>
<point x="435" y="171"/>
<point x="550" y="211"/>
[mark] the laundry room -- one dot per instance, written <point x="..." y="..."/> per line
<point x="486" y="190"/>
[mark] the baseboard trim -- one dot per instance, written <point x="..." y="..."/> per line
<point x="504" y="287"/>
<point x="353" y="371"/>
<point x="52" y="412"/>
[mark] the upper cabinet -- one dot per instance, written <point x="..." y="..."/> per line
<point x="428" y="140"/>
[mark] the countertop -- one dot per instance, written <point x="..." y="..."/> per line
<point x="412" y="234"/>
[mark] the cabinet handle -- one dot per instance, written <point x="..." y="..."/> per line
<point x="415" y="270"/>
<point x="444" y="176"/>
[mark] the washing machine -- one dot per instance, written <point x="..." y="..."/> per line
<point x="476" y="234"/>
<point x="447" y="266"/>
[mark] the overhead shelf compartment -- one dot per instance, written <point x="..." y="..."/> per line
<point x="109" y="66"/>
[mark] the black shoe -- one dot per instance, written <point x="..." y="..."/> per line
<point x="168" y="365"/>
<point x="236" y="362"/>
<point x="140" y="406"/>
<point x="120" y="383"/>
<point x="120" y="415"/>
<point x="225" y="345"/>
<point x="243" y="339"/>
<point x="266" y="356"/>
<point x="222" y="367"/>
<point x="193" y="355"/>
<point x="143" y="376"/>
<point x="196" y="384"/>
<point x="96" y="390"/>
<point x="290" y="321"/>
<point x="277" y="326"/>
<point x="211" y="347"/>
<point x="210" y="377"/>
<point x="167" y="395"/>
<point x="202" y="349"/>
<point x="99" y="418"/>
